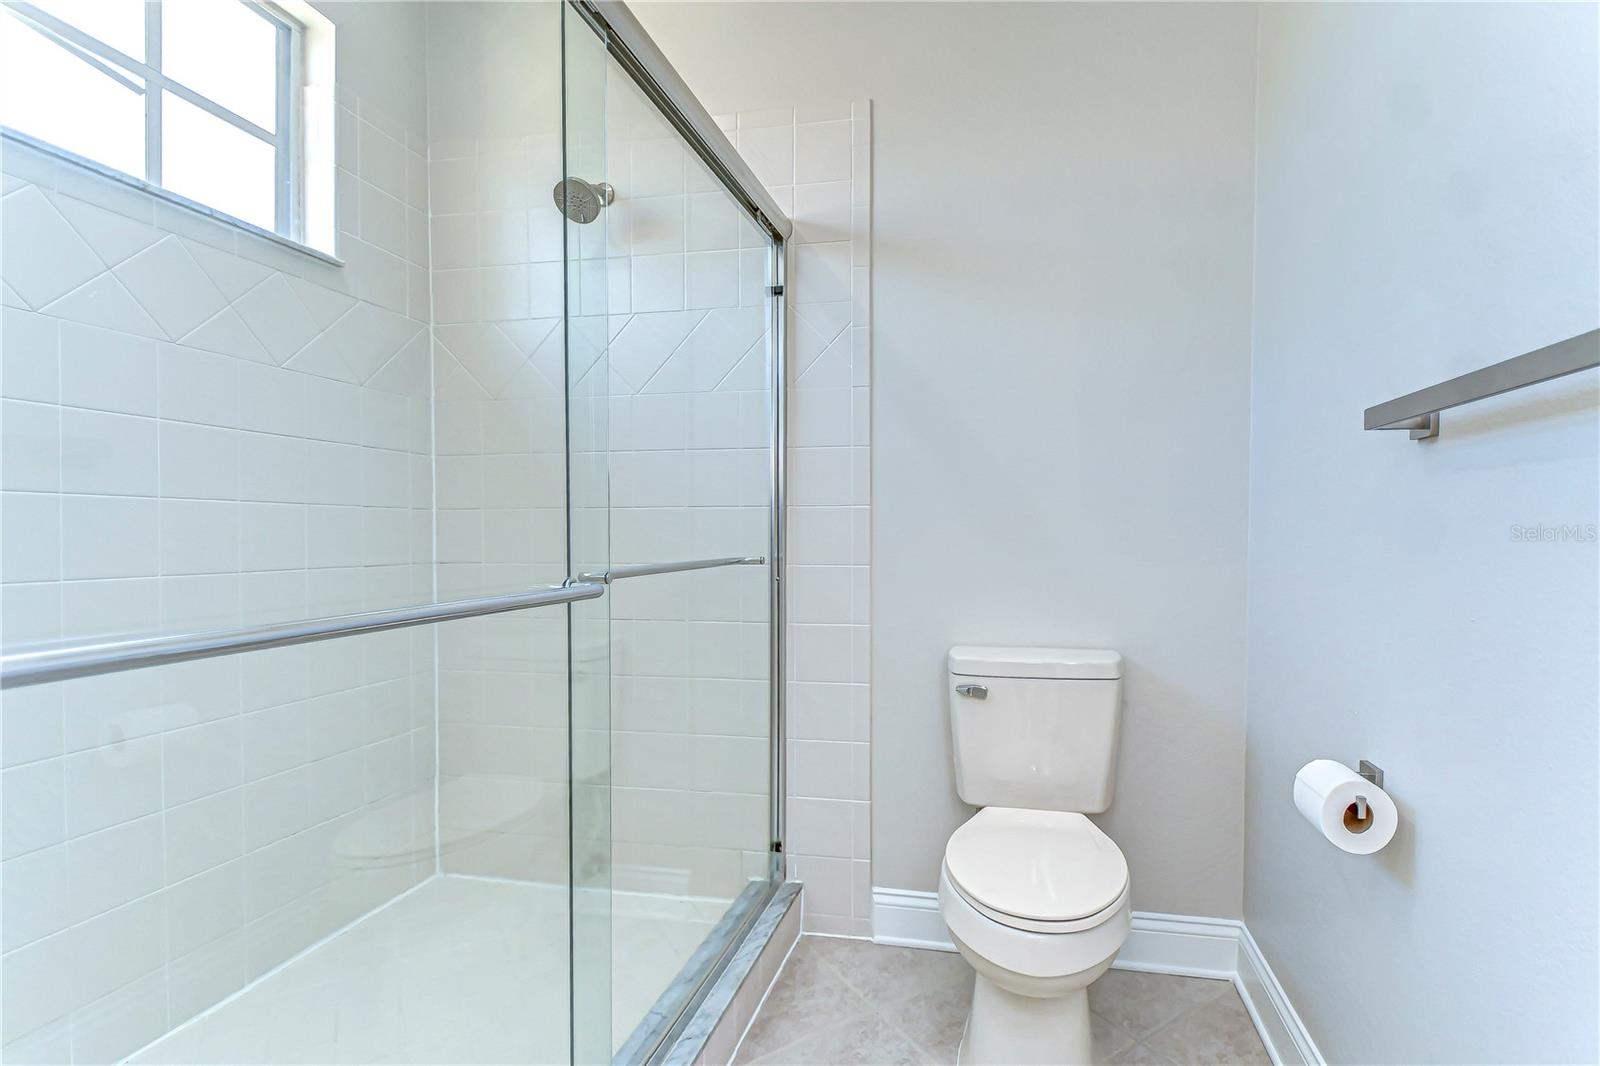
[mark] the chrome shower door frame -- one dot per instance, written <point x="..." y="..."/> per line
<point x="777" y="273"/>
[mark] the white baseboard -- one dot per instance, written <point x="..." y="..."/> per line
<point x="1182" y="945"/>
<point x="1281" y="1029"/>
<point x="1157" y="943"/>
<point x="908" y="919"/>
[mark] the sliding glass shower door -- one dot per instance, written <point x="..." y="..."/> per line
<point x="389" y="651"/>
<point x="676" y="281"/>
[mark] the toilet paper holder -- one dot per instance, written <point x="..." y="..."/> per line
<point x="1373" y="773"/>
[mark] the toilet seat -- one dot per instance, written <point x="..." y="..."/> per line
<point x="1041" y="871"/>
<point x="1031" y="957"/>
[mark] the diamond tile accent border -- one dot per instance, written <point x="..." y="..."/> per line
<point x="116" y="272"/>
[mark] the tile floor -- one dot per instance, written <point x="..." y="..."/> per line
<point x="851" y="1001"/>
<point x="459" y="970"/>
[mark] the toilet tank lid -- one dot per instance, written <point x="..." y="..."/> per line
<point x="1077" y="664"/>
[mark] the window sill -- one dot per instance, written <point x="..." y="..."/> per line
<point x="165" y="195"/>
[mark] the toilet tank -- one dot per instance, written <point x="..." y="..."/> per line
<point x="1035" y="727"/>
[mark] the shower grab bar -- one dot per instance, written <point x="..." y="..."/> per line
<point x="651" y="569"/>
<point x="1419" y="411"/>
<point x="87" y="660"/>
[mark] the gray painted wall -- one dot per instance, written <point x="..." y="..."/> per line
<point x="1426" y="205"/>
<point x="1061" y="272"/>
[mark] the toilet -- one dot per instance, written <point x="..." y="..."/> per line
<point x="1035" y="896"/>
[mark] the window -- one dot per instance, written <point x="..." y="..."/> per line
<point x="195" y="96"/>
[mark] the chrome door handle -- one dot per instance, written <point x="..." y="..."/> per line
<point x="977" y="692"/>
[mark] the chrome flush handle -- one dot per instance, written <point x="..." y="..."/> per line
<point x="977" y="692"/>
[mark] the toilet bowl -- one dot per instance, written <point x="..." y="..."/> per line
<point x="1035" y="896"/>
<point x="1037" y="903"/>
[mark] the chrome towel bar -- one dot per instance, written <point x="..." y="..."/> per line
<point x="1419" y="411"/>
<point x="41" y="666"/>
<point x="86" y="660"/>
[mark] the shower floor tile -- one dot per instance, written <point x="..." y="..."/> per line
<point x="459" y="970"/>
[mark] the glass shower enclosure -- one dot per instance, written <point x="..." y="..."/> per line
<point x="392" y="637"/>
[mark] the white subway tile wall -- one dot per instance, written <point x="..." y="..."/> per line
<point x="205" y="428"/>
<point x="816" y="162"/>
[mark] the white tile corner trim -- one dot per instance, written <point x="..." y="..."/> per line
<point x="815" y="160"/>
<point x="1179" y="944"/>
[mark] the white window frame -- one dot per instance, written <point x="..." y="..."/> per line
<point x="148" y="79"/>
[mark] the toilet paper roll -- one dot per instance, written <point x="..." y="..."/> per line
<point x="1325" y="792"/>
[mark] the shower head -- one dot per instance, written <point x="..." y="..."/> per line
<point x="581" y="200"/>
